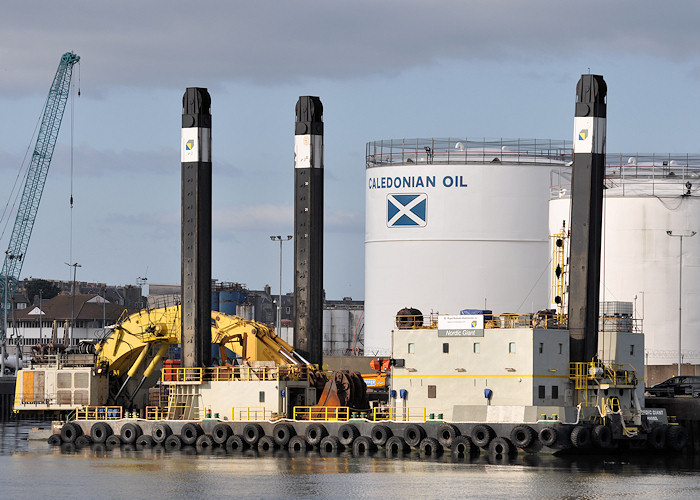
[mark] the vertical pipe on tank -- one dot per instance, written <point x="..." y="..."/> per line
<point x="587" y="186"/>
<point x="196" y="228"/>
<point x="308" y="228"/>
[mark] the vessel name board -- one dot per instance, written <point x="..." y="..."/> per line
<point x="656" y="415"/>
<point x="460" y="333"/>
<point x="462" y="325"/>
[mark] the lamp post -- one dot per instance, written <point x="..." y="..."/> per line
<point x="75" y="267"/>
<point x="140" y="281"/>
<point x="279" y="303"/>
<point x="687" y="234"/>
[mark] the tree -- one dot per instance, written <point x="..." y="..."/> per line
<point x="48" y="289"/>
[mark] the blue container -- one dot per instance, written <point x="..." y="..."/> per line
<point x="473" y="312"/>
<point x="228" y="302"/>
<point x="215" y="301"/>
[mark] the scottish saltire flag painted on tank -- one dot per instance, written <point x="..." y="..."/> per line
<point x="406" y="210"/>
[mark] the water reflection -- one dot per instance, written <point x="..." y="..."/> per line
<point x="127" y="471"/>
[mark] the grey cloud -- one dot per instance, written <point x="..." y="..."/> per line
<point x="168" y="44"/>
<point x="278" y="217"/>
<point x="92" y="162"/>
<point x="156" y="225"/>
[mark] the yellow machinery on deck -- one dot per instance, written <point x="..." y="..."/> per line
<point x="137" y="344"/>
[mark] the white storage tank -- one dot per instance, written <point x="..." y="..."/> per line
<point x="340" y="330"/>
<point x="454" y="224"/>
<point x="245" y="311"/>
<point x="646" y="197"/>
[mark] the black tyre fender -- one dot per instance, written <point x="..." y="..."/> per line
<point x="363" y="446"/>
<point x="83" y="441"/>
<point x="462" y="447"/>
<point x="502" y="446"/>
<point x="522" y="436"/>
<point x="70" y="432"/>
<point x="282" y="433"/>
<point x="446" y="434"/>
<point x="601" y="436"/>
<point x="657" y="437"/>
<point x="581" y="436"/>
<point x="548" y="436"/>
<point x="676" y="437"/>
<point x="252" y="433"/>
<point x="220" y="433"/>
<point x="534" y="448"/>
<point x="315" y="433"/>
<point x="100" y="431"/>
<point x="430" y="447"/>
<point x="144" y="442"/>
<point x="347" y="433"/>
<point x="190" y="432"/>
<point x="330" y="445"/>
<point x="173" y="442"/>
<point x="267" y="444"/>
<point x="482" y="435"/>
<point x="161" y="431"/>
<point x="380" y="434"/>
<point x="130" y="432"/>
<point x="236" y="444"/>
<point x="413" y="434"/>
<point x="113" y="441"/>
<point x="204" y="443"/>
<point x="297" y="444"/>
<point x="396" y="446"/>
<point x="55" y="439"/>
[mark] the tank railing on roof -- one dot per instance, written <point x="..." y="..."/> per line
<point x="633" y="174"/>
<point x="464" y="150"/>
<point x="228" y="286"/>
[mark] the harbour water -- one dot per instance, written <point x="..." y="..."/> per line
<point x="33" y="469"/>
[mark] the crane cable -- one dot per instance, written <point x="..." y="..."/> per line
<point x="72" y="127"/>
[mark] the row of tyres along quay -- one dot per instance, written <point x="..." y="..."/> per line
<point x="360" y="436"/>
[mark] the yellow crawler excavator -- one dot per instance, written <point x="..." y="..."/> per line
<point x="150" y="332"/>
<point x="127" y="362"/>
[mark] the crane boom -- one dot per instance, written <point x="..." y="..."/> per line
<point x="36" y="177"/>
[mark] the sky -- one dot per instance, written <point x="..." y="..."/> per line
<point x="383" y="69"/>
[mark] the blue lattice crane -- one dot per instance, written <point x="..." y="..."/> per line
<point x="34" y="183"/>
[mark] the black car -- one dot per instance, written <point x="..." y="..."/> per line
<point x="677" y="386"/>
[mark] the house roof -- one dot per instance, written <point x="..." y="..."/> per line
<point x="87" y="307"/>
